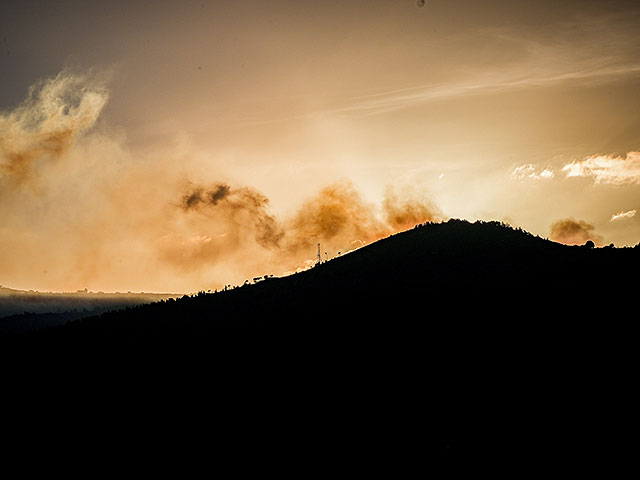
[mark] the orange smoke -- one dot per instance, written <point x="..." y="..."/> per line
<point x="103" y="217"/>
<point x="574" y="232"/>
<point x="45" y="126"/>
<point x="407" y="209"/>
<point x="337" y="217"/>
<point x="244" y="208"/>
<point x="235" y="221"/>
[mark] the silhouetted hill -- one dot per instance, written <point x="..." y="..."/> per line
<point x="478" y="342"/>
<point x="433" y="276"/>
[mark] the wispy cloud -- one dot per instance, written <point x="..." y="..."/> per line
<point x="590" y="53"/>
<point x="623" y="216"/>
<point x="587" y="52"/>
<point x="610" y="169"/>
<point x="529" y="171"/>
<point x="489" y="84"/>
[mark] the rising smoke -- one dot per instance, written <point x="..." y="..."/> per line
<point x="574" y="232"/>
<point x="79" y="209"/>
<point x="243" y="209"/>
<point x="45" y="126"/>
<point x="337" y="217"/>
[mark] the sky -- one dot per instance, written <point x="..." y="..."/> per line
<point x="179" y="146"/>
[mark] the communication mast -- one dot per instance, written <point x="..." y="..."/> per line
<point x="319" y="255"/>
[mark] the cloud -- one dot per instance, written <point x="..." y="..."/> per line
<point x="496" y="82"/>
<point x="573" y="232"/>
<point x="623" y="216"/>
<point x="531" y="172"/>
<point x="609" y="169"/>
<point x="549" y="58"/>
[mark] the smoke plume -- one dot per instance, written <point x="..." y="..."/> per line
<point x="45" y="126"/>
<point x="80" y="209"/>
<point x="574" y="232"/>
<point x="405" y="209"/>
<point x="236" y="220"/>
<point x="243" y="210"/>
<point x="337" y="217"/>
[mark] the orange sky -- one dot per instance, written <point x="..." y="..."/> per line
<point x="509" y="110"/>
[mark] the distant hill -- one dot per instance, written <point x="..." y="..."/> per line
<point x="29" y="310"/>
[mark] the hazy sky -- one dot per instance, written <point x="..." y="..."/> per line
<point x="525" y="111"/>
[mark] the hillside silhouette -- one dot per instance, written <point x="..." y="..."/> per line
<point x="432" y="276"/>
<point x="476" y="341"/>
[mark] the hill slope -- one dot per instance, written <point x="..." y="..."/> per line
<point x="434" y="275"/>
<point x="479" y="342"/>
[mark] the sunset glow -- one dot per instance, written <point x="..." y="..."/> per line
<point x="181" y="146"/>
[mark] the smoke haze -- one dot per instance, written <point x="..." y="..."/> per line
<point x="45" y="126"/>
<point x="574" y="232"/>
<point x="80" y="209"/>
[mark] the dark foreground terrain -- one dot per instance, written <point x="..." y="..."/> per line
<point x="478" y="345"/>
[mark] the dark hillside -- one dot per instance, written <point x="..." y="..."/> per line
<point x="437" y="275"/>
<point x="479" y="342"/>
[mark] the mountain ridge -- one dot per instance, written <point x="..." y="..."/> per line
<point x="430" y="259"/>
<point x="478" y="343"/>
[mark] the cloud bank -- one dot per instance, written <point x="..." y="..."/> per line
<point x="607" y="169"/>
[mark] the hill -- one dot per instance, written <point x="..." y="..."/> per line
<point x="434" y="275"/>
<point x="480" y="342"/>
